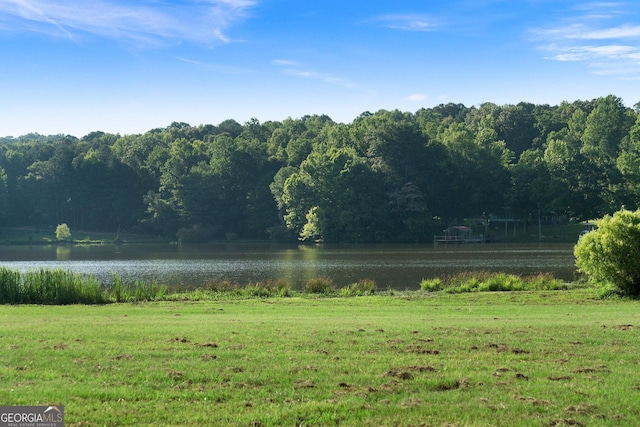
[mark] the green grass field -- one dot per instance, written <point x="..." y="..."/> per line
<point x="544" y="358"/>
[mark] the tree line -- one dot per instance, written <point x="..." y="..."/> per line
<point x="386" y="176"/>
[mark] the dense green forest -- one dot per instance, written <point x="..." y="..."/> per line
<point x="387" y="176"/>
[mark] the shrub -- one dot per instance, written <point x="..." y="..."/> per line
<point x="63" y="232"/>
<point x="320" y="285"/>
<point x="611" y="253"/>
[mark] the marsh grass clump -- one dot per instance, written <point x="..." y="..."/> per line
<point x="362" y="287"/>
<point x="49" y="287"/>
<point x="431" y="285"/>
<point x="118" y="291"/>
<point x="320" y="285"/>
<point x="221" y="286"/>
<point x="501" y="282"/>
<point x="268" y="289"/>
<point x="61" y="287"/>
<point x="138" y="291"/>
<point x="484" y="281"/>
<point x="10" y="286"/>
<point x="148" y="291"/>
<point x="546" y="282"/>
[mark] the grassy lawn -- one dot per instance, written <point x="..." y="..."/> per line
<point x="545" y="358"/>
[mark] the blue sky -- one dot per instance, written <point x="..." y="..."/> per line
<point x="77" y="66"/>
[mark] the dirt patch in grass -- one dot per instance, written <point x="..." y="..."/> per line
<point x="532" y="400"/>
<point x="176" y="375"/>
<point x="402" y="375"/>
<point x="582" y="370"/>
<point x="503" y="348"/>
<point x="208" y="344"/>
<point x="301" y="384"/>
<point x="581" y="409"/>
<point x="560" y="378"/>
<point x="123" y="357"/>
<point x="565" y="422"/>
<point x="417" y="349"/>
<point x="448" y="385"/>
<point x="421" y="368"/>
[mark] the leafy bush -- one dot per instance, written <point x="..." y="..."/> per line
<point x="63" y="232"/>
<point x="360" y="288"/>
<point x="320" y="285"/>
<point x="611" y="253"/>
<point x="609" y="291"/>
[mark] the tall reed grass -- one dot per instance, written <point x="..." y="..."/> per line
<point x="63" y="287"/>
<point x="483" y="281"/>
<point x="49" y="287"/>
<point x="137" y="291"/>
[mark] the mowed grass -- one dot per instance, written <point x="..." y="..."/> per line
<point x="544" y="358"/>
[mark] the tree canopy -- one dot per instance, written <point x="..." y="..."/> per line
<point x="386" y="176"/>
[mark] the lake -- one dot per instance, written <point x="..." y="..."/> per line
<point x="391" y="266"/>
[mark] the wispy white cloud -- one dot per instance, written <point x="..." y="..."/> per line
<point x="217" y="68"/>
<point x="416" y="97"/>
<point x="625" y="31"/>
<point x="586" y="53"/>
<point x="594" y="34"/>
<point x="408" y="22"/>
<point x="580" y="31"/>
<point x="140" y="21"/>
<point x="296" y="69"/>
<point x="286" y="62"/>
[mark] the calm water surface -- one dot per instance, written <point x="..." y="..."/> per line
<point x="395" y="266"/>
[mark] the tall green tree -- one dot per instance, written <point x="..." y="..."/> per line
<point x="628" y="164"/>
<point x="335" y="196"/>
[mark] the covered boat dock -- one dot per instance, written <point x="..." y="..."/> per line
<point x="459" y="234"/>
